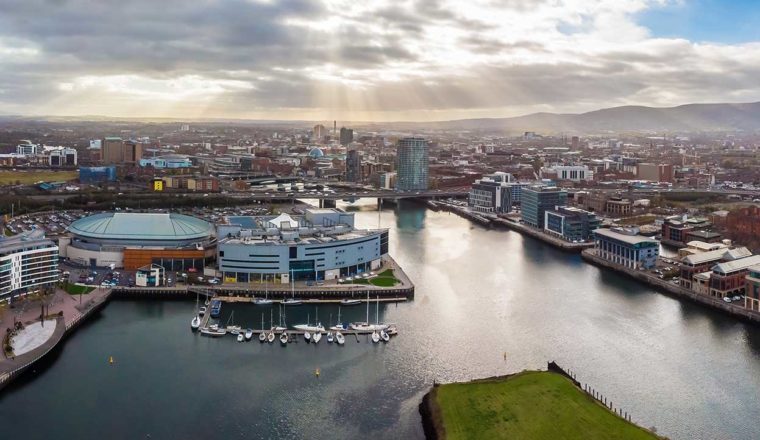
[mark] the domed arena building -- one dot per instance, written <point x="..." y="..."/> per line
<point x="132" y="240"/>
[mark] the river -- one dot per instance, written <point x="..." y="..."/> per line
<point x="688" y="371"/>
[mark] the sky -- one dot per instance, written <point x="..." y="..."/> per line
<point x="372" y="60"/>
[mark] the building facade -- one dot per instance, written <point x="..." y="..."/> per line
<point x="322" y="244"/>
<point x="702" y="262"/>
<point x="535" y="201"/>
<point x="28" y="263"/>
<point x="112" y="150"/>
<point x="491" y="194"/>
<point x="413" y="164"/>
<point x="346" y="136"/>
<point x="626" y="247"/>
<point x="729" y="279"/>
<point x="571" y="224"/>
<point x="574" y="173"/>
<point x="353" y="165"/>
<point x="92" y="175"/>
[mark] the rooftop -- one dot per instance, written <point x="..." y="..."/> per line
<point x="149" y="226"/>
<point x="20" y="241"/>
<point x="626" y="238"/>
<point x="736" y="265"/>
<point x="717" y="254"/>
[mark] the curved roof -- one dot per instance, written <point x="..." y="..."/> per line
<point x="316" y="152"/>
<point x="145" y="226"/>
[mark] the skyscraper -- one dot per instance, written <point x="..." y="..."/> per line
<point x="412" y="159"/>
<point x="353" y="165"/>
<point x="346" y="136"/>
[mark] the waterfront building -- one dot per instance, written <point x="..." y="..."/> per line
<point x="626" y="247"/>
<point x="537" y="200"/>
<point x="697" y="246"/>
<point x="28" y="263"/>
<point x="752" y="290"/>
<point x="321" y="244"/>
<point x="353" y="166"/>
<point x="491" y="194"/>
<point x="346" y="136"/>
<point x="152" y="275"/>
<point x="412" y="169"/>
<point x="318" y="132"/>
<point x="90" y="175"/>
<point x="729" y="278"/>
<point x="571" y="224"/>
<point x="701" y="262"/>
<point x="677" y="231"/>
<point x="132" y="240"/>
<point x="516" y="190"/>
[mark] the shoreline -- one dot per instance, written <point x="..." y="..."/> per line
<point x="433" y="419"/>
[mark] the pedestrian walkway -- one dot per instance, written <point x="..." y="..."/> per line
<point x="32" y="336"/>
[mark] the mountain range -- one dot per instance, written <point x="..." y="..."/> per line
<point x="683" y="118"/>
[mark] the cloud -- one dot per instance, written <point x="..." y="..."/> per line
<point x="385" y="59"/>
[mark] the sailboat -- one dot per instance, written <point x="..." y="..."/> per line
<point x="195" y="323"/>
<point x="340" y="326"/>
<point x="318" y="328"/>
<point x="339" y="338"/>
<point x="284" y="338"/>
<point x="330" y="337"/>
<point x="278" y="328"/>
<point x="264" y="301"/>
<point x="270" y="337"/>
<point x="292" y="301"/>
<point x="240" y="337"/>
<point x="231" y="327"/>
<point x="307" y="336"/>
<point x="262" y="335"/>
<point x="384" y="336"/>
<point x="366" y="327"/>
<point x="350" y="301"/>
<point x="248" y="334"/>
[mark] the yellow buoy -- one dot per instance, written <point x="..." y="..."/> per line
<point x="316" y="373"/>
<point x="110" y="360"/>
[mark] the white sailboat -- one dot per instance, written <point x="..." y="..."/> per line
<point x="330" y="337"/>
<point x="240" y="337"/>
<point x="248" y="334"/>
<point x="384" y="336"/>
<point x="375" y="337"/>
<point x="292" y="301"/>
<point x="231" y="327"/>
<point x="366" y="327"/>
<point x="279" y="328"/>
<point x="284" y="338"/>
<point x="340" y="326"/>
<point x="317" y="328"/>
<point x="307" y="336"/>
<point x="262" y="335"/>
<point x="339" y="338"/>
<point x="316" y="337"/>
<point x="195" y="323"/>
<point x="264" y="301"/>
<point x="270" y="337"/>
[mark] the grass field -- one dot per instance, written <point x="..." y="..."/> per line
<point x="32" y="176"/>
<point x="76" y="289"/>
<point x="532" y="405"/>
<point x="383" y="279"/>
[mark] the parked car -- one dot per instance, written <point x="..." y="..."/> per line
<point x="726" y="299"/>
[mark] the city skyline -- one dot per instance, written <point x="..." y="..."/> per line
<point x="384" y="61"/>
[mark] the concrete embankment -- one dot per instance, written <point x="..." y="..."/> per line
<point x="495" y="221"/>
<point x="673" y="289"/>
<point x="67" y="321"/>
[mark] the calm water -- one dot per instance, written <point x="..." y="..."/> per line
<point x="691" y="373"/>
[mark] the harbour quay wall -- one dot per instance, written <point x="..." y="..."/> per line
<point x="673" y="290"/>
<point x="494" y="221"/>
<point x="64" y="329"/>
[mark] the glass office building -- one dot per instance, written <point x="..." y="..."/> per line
<point x="412" y="171"/>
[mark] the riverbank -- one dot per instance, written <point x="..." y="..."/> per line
<point x="531" y="404"/>
<point x="68" y="311"/>
<point x="672" y="289"/>
<point x="490" y="220"/>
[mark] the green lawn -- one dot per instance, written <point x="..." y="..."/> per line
<point x="532" y="405"/>
<point x="76" y="289"/>
<point x="32" y="176"/>
<point x="383" y="279"/>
